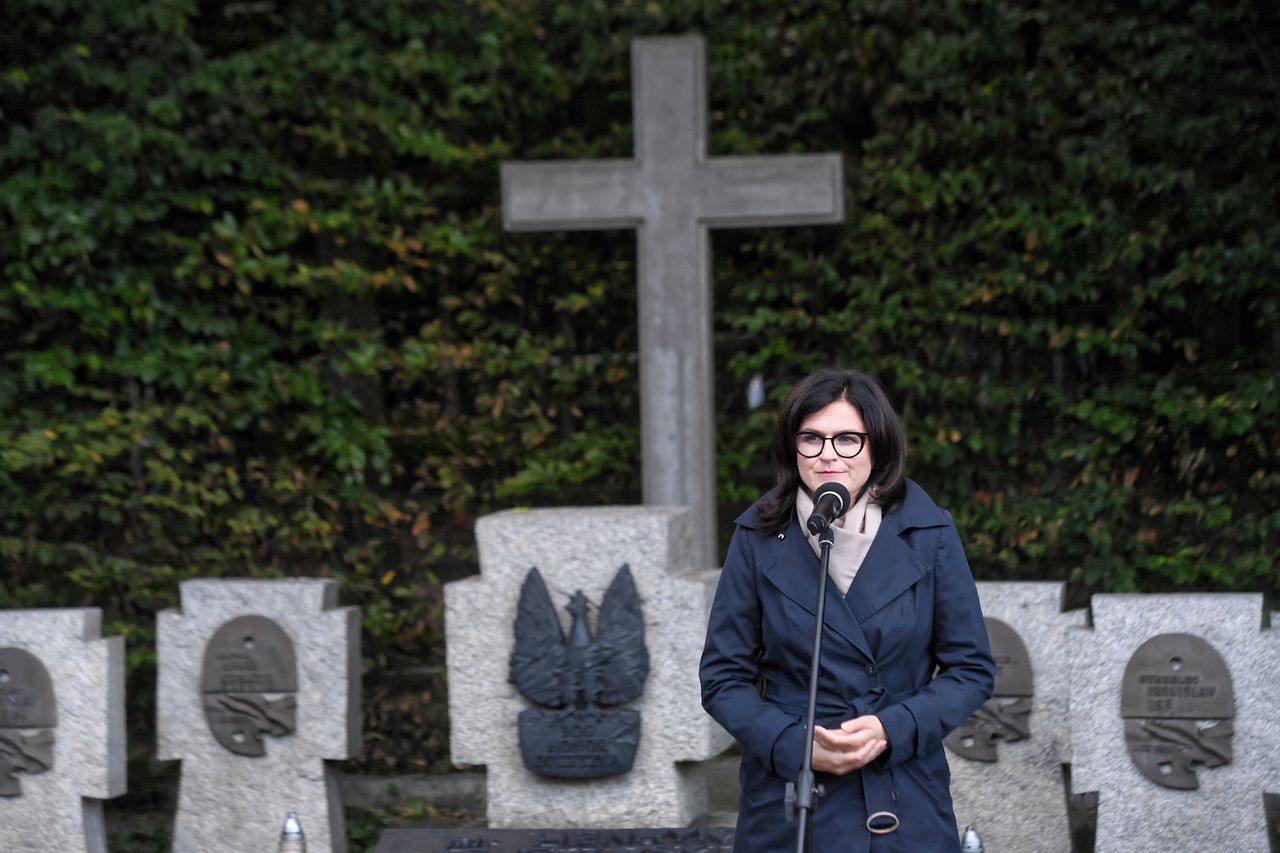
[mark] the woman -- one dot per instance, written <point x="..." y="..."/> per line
<point x="905" y="657"/>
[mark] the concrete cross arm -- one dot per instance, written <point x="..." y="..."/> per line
<point x="673" y="193"/>
<point x="571" y="195"/>
<point x="795" y="189"/>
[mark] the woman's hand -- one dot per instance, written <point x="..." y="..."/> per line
<point x="855" y="744"/>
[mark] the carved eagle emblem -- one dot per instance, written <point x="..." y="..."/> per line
<point x="580" y="671"/>
<point x="576" y="677"/>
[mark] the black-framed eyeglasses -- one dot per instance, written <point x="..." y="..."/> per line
<point x="845" y="444"/>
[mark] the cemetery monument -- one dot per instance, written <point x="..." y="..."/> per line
<point x="258" y="691"/>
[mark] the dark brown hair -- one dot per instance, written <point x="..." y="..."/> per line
<point x="887" y="443"/>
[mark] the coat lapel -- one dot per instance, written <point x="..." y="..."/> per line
<point x="792" y="567"/>
<point x="889" y="569"/>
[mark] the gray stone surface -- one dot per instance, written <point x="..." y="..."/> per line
<point x="582" y="548"/>
<point x="61" y="808"/>
<point x="231" y="802"/>
<point x="1135" y="815"/>
<point x="454" y="792"/>
<point x="672" y="192"/>
<point x="1019" y="802"/>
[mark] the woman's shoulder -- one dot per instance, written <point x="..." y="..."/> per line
<point x="918" y="509"/>
<point x="750" y="517"/>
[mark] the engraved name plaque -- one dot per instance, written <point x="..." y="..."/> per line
<point x="578" y="678"/>
<point x="28" y="714"/>
<point x="1177" y="703"/>
<point x="1007" y="714"/>
<point x="249" y="682"/>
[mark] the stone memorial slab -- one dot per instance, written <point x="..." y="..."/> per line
<point x="671" y="192"/>
<point x="258" y="690"/>
<point x="686" y="840"/>
<point x="1173" y="766"/>
<point x="62" y="734"/>
<point x="579" y="555"/>
<point x="1007" y="781"/>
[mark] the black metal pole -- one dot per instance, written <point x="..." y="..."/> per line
<point x="806" y="792"/>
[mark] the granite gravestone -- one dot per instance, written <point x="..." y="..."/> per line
<point x="1234" y="759"/>
<point x="1009" y="782"/>
<point x="62" y="735"/>
<point x="582" y="550"/>
<point x="469" y="840"/>
<point x="258" y="688"/>
<point x="671" y="192"/>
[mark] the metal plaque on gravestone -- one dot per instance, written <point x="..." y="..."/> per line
<point x="249" y="684"/>
<point x="1007" y="714"/>
<point x="27" y="703"/>
<point x="1177" y="703"/>
<point x="579" y="678"/>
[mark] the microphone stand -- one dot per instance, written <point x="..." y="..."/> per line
<point x="802" y="795"/>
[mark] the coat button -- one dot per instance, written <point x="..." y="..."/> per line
<point x="782" y="536"/>
<point x="871" y="669"/>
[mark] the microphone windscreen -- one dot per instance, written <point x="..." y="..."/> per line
<point x="836" y="490"/>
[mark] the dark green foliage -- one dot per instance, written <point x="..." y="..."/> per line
<point x="259" y="316"/>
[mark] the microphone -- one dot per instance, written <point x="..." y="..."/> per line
<point x="829" y="503"/>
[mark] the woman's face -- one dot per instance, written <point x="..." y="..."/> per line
<point x="828" y="466"/>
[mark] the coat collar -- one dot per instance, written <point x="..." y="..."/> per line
<point x="891" y="567"/>
<point x="916" y="510"/>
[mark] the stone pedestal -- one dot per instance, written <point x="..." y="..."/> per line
<point x="59" y="804"/>
<point x="1136" y="814"/>
<point x="1018" y="802"/>
<point x="229" y="801"/>
<point x="583" y="549"/>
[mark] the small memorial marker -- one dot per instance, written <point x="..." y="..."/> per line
<point x="258" y="692"/>
<point x="62" y="735"/>
<point x="1006" y="760"/>
<point x="1173" y="721"/>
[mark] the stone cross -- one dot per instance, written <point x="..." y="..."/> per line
<point x="59" y="806"/>
<point x="1136" y="814"/>
<point x="671" y="192"/>
<point x="270" y="667"/>
<point x="583" y="549"/>
<point x="1017" y="802"/>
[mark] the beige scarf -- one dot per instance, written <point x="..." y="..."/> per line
<point x="854" y="532"/>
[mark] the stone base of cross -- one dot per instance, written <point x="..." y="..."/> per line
<point x="582" y="549"/>
<point x="59" y="806"/>
<point x="229" y="801"/>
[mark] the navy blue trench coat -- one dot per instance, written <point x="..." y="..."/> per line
<point x="907" y="644"/>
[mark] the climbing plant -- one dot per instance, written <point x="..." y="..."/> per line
<point x="259" y="315"/>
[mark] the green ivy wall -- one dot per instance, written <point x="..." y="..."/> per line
<point x="258" y="315"/>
